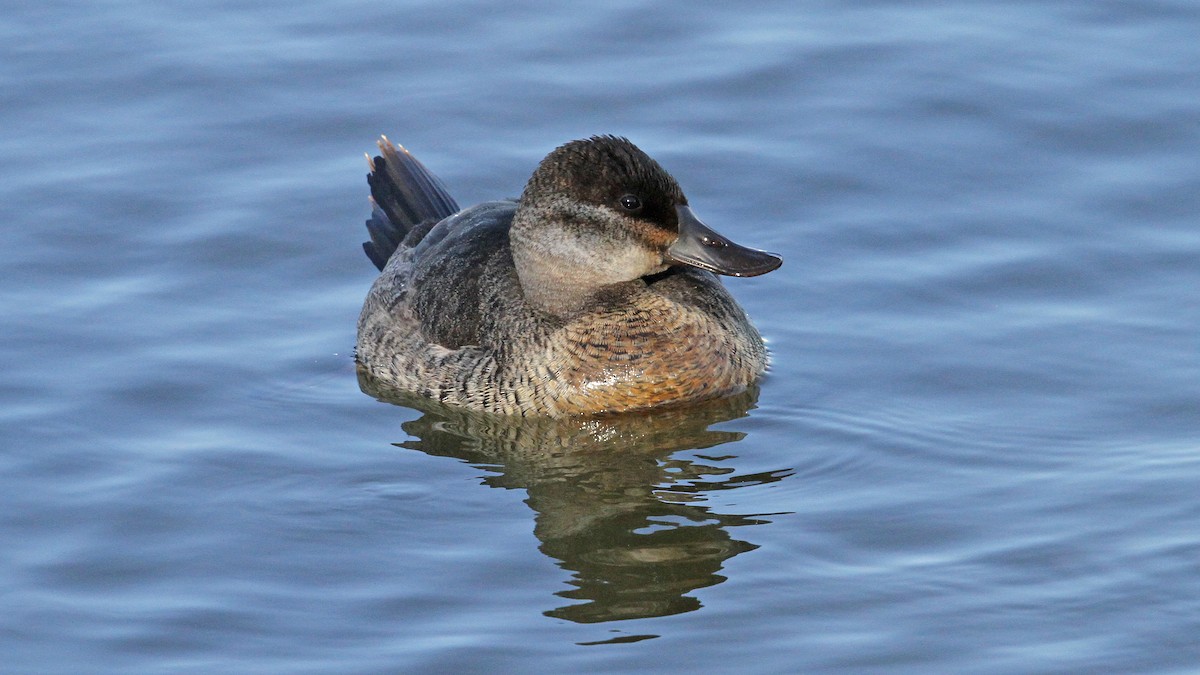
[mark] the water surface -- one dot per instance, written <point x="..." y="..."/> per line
<point x="976" y="449"/>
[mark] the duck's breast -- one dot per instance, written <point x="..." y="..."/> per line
<point x="683" y="339"/>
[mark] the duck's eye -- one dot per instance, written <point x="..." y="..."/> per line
<point x="631" y="203"/>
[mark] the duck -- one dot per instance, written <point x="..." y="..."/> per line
<point x="593" y="293"/>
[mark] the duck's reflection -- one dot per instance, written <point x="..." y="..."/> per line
<point x="612" y="503"/>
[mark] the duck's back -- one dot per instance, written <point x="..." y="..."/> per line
<point x="458" y="271"/>
<point x="434" y="261"/>
<point x="442" y="316"/>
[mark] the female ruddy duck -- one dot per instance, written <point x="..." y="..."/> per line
<point x="592" y="293"/>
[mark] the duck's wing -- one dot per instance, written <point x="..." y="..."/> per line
<point x="404" y="195"/>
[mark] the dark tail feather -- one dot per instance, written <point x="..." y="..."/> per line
<point x="404" y="194"/>
<point x="385" y="237"/>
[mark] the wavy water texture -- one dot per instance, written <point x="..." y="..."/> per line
<point x="975" y="450"/>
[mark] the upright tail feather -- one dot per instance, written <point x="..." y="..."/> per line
<point x="404" y="194"/>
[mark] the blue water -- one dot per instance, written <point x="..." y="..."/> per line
<point x="977" y="448"/>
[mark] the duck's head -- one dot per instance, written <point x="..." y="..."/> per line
<point x="600" y="211"/>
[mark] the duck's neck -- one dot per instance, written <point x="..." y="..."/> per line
<point x="554" y="286"/>
<point x="562" y="274"/>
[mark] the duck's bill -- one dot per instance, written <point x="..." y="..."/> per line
<point x="699" y="246"/>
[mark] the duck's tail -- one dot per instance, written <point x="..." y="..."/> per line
<point x="404" y="194"/>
